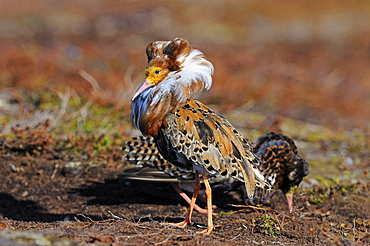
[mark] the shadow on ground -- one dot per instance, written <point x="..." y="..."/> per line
<point x="27" y="210"/>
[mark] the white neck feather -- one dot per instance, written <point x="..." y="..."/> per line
<point x="195" y="72"/>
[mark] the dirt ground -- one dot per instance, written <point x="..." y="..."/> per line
<point x="87" y="204"/>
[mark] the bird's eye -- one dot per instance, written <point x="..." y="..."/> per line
<point x="156" y="72"/>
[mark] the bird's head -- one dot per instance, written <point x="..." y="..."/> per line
<point x="175" y="67"/>
<point x="294" y="178"/>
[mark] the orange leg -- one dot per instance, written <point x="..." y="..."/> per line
<point x="187" y="199"/>
<point x="209" y="205"/>
<point x="192" y="203"/>
<point x="193" y="198"/>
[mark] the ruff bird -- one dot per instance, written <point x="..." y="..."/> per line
<point x="186" y="132"/>
<point x="281" y="166"/>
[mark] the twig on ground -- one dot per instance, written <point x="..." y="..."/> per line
<point x="169" y="237"/>
<point x="55" y="171"/>
<point x="115" y="216"/>
<point x="140" y="235"/>
<point x="82" y="215"/>
<point x="281" y="223"/>
<point x="235" y="237"/>
<point x="254" y="208"/>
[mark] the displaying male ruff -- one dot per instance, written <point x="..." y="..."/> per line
<point x="187" y="133"/>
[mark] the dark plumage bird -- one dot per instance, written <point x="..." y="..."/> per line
<point x="187" y="133"/>
<point x="281" y="165"/>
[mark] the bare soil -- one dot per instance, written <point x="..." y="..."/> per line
<point x="88" y="204"/>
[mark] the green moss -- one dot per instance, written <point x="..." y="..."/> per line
<point x="269" y="226"/>
<point x="226" y="212"/>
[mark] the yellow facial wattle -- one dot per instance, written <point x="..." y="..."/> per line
<point x="154" y="75"/>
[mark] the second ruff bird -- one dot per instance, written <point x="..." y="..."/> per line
<point x="186" y="132"/>
<point x="280" y="165"/>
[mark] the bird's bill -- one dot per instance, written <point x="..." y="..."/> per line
<point x="141" y="88"/>
<point x="289" y="199"/>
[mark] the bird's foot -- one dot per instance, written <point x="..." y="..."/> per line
<point x="204" y="210"/>
<point x="207" y="231"/>
<point x="182" y="224"/>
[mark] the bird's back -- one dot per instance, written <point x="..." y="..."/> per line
<point x="196" y="138"/>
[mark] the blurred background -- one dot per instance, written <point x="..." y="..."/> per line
<point x="305" y="60"/>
